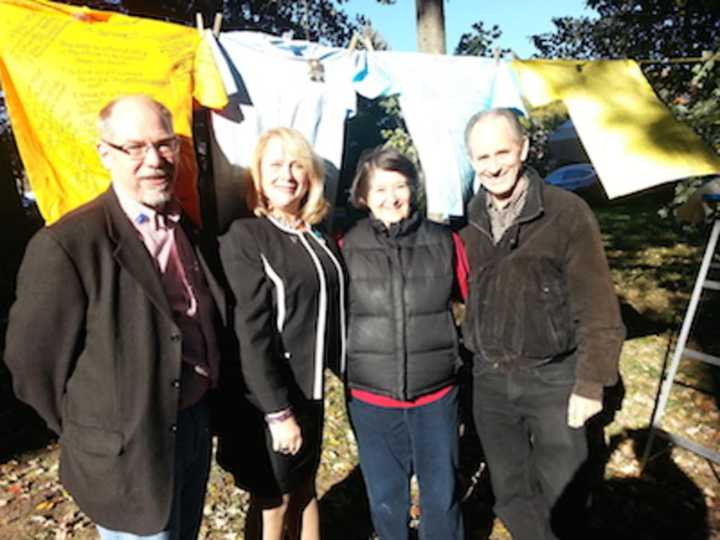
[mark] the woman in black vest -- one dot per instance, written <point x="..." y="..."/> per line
<point x="403" y="351"/>
<point x="288" y="287"/>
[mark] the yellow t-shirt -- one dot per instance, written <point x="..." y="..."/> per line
<point x="59" y="65"/>
<point x="632" y="138"/>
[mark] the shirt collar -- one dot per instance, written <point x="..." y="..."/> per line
<point x="143" y="216"/>
<point x="517" y="196"/>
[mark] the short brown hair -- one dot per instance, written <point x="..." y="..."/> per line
<point x="386" y="159"/>
<point x="314" y="206"/>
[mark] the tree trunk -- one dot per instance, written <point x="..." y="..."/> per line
<point x="430" y="26"/>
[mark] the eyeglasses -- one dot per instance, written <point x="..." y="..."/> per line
<point x="138" y="151"/>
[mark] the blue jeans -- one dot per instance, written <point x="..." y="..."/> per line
<point x="394" y="444"/>
<point x="107" y="534"/>
<point x="531" y="452"/>
<point x="192" y="467"/>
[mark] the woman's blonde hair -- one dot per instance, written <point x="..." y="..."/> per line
<point x="314" y="207"/>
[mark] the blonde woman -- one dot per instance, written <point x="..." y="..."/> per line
<point x="288" y="286"/>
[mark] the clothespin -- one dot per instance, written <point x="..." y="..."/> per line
<point x="217" y="24"/>
<point x="317" y="70"/>
<point x="199" y="23"/>
<point x="362" y="38"/>
<point x="367" y="42"/>
<point x="83" y="16"/>
<point x="353" y="42"/>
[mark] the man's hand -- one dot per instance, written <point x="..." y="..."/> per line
<point x="286" y="436"/>
<point x="580" y="409"/>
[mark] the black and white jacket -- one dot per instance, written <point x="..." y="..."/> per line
<point x="289" y="315"/>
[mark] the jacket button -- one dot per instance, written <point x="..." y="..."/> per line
<point x="175" y="337"/>
<point x="546" y="290"/>
<point x="175" y="383"/>
<point x="173" y="428"/>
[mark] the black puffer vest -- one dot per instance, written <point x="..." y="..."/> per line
<point x="402" y="341"/>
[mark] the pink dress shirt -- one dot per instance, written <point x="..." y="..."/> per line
<point x="186" y="291"/>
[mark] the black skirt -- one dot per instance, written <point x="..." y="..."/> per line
<point x="246" y="452"/>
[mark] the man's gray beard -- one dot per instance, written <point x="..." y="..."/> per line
<point x="157" y="199"/>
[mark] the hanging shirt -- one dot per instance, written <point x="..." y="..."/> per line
<point x="631" y="137"/>
<point x="438" y="95"/>
<point x="60" y="64"/>
<point x="272" y="82"/>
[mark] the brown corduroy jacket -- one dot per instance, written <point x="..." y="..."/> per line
<point x="544" y="290"/>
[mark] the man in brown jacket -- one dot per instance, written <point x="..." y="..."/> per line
<point x="113" y="337"/>
<point x="543" y="324"/>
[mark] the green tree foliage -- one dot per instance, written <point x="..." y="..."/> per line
<point x="647" y="29"/>
<point x="314" y="20"/>
<point x="479" y="41"/>
<point x="700" y="105"/>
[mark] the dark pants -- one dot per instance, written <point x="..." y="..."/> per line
<point x="192" y="468"/>
<point x="532" y="454"/>
<point x="394" y="444"/>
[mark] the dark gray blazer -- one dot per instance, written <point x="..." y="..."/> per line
<point x="93" y="347"/>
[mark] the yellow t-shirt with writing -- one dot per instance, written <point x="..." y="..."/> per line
<point x="60" y="64"/>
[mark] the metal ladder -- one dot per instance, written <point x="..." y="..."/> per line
<point x="668" y="377"/>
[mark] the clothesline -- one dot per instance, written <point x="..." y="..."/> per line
<point x="688" y="60"/>
<point x="497" y="52"/>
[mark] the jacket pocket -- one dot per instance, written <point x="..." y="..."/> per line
<point x="544" y="325"/>
<point x="560" y="325"/>
<point x="92" y="440"/>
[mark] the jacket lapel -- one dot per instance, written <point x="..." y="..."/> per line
<point x="477" y="214"/>
<point x="132" y="255"/>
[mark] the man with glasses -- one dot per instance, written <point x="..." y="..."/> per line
<point x="113" y="337"/>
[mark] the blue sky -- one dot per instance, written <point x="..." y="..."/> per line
<point x="518" y="19"/>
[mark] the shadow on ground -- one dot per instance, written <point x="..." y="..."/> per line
<point x="639" y="325"/>
<point x="344" y="511"/>
<point x="663" y="503"/>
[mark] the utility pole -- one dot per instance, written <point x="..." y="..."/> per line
<point x="430" y="26"/>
